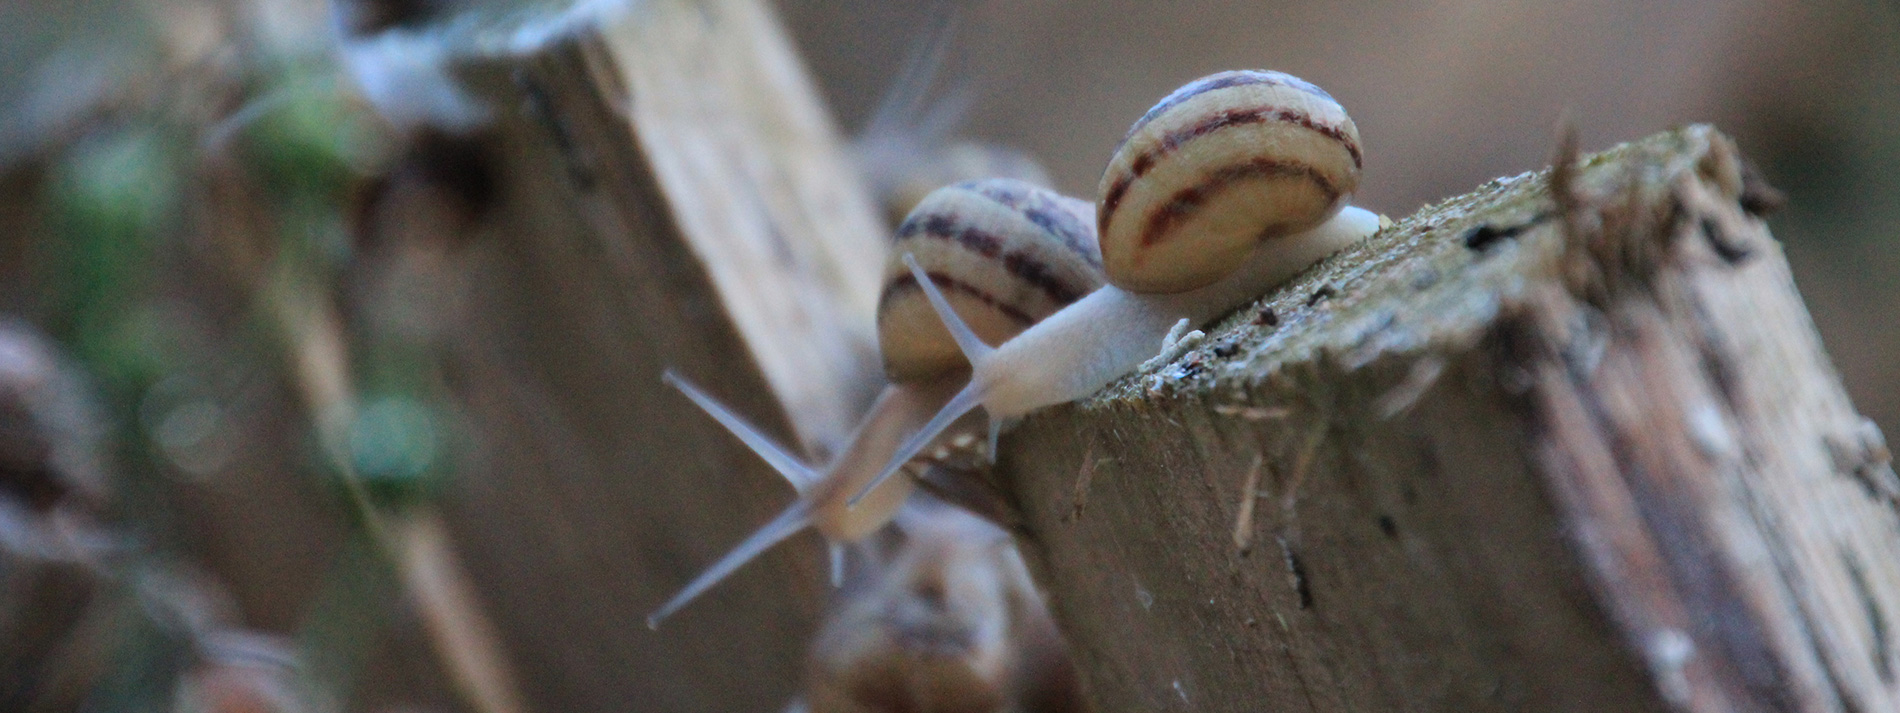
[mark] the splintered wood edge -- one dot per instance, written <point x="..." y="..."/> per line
<point x="1435" y="278"/>
<point x="755" y="177"/>
<point x="1759" y="499"/>
<point x="605" y="223"/>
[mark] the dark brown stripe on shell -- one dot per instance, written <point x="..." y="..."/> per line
<point x="1023" y="266"/>
<point x="1188" y="200"/>
<point x="1039" y="208"/>
<point x="946" y="283"/>
<point x="1111" y="201"/>
<point x="1231" y="117"/>
<point x="1224" y="80"/>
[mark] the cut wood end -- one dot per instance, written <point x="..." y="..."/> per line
<point x="1542" y="432"/>
<point x="1435" y="279"/>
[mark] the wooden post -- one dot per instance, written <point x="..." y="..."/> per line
<point x="671" y="195"/>
<point x="1565" y="443"/>
<point x="1568" y="442"/>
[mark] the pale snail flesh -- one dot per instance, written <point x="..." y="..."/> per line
<point x="1109" y="333"/>
<point x="1017" y="253"/>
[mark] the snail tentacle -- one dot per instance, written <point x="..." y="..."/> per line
<point x="801" y="476"/>
<point x="788" y="523"/>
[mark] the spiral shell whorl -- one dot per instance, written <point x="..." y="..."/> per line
<point x="1220" y="166"/>
<point x="1006" y="253"/>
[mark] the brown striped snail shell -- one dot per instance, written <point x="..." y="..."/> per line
<point x="1220" y="166"/>
<point x="1226" y="189"/>
<point x="1007" y="253"/>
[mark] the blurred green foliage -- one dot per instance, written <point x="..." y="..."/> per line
<point x="115" y="284"/>
<point x="114" y="198"/>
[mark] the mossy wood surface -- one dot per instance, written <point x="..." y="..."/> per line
<point x="1516" y="453"/>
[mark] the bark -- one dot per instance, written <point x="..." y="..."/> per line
<point x="1568" y="442"/>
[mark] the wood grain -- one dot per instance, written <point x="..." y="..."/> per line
<point x="671" y="196"/>
<point x="1555" y="445"/>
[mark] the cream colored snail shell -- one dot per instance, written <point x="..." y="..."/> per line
<point x="1228" y="188"/>
<point x="1007" y="253"/>
<point x="1220" y="166"/>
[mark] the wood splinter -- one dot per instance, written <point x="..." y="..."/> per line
<point x="1628" y="478"/>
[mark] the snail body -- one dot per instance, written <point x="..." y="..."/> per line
<point x="952" y="623"/>
<point x="1009" y="254"/>
<point x="1113" y="330"/>
<point x="1224" y="190"/>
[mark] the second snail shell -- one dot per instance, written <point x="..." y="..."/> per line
<point x="1222" y="165"/>
<point x="1005" y="252"/>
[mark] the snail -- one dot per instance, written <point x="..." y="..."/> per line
<point x="951" y="623"/>
<point x="1225" y="189"/>
<point x="1009" y="253"/>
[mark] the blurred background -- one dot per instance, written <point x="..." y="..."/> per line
<point x="1450" y="93"/>
<point x="230" y="390"/>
